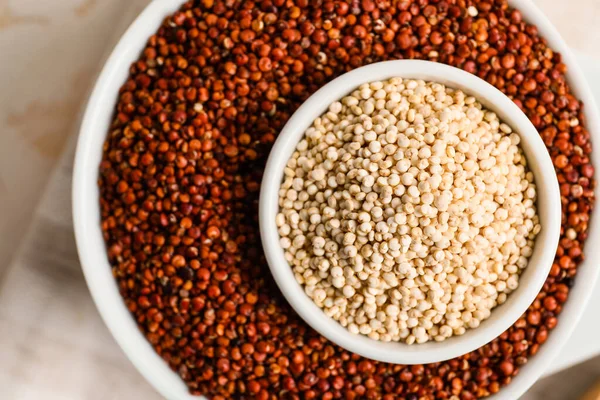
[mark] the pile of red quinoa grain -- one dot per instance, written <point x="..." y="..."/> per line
<point x="182" y="167"/>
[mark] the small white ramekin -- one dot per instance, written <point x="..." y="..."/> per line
<point x="548" y="203"/>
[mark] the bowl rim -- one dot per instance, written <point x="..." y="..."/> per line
<point x="97" y="270"/>
<point x="549" y="210"/>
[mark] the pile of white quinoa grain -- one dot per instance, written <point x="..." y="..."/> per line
<point x="407" y="211"/>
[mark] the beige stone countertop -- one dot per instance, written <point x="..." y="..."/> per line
<point x="53" y="345"/>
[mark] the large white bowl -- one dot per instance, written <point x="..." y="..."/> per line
<point x="96" y="268"/>
<point x="548" y="204"/>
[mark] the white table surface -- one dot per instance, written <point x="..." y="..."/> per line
<point x="53" y="344"/>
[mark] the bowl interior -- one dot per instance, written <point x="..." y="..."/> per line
<point x="548" y="203"/>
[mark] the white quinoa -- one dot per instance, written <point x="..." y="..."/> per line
<point x="407" y="211"/>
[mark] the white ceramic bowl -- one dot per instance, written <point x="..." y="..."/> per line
<point x="548" y="203"/>
<point x="96" y="268"/>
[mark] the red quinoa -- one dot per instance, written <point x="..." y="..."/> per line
<point x="182" y="166"/>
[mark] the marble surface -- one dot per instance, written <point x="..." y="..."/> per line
<point x="51" y="51"/>
<point x="53" y="344"/>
